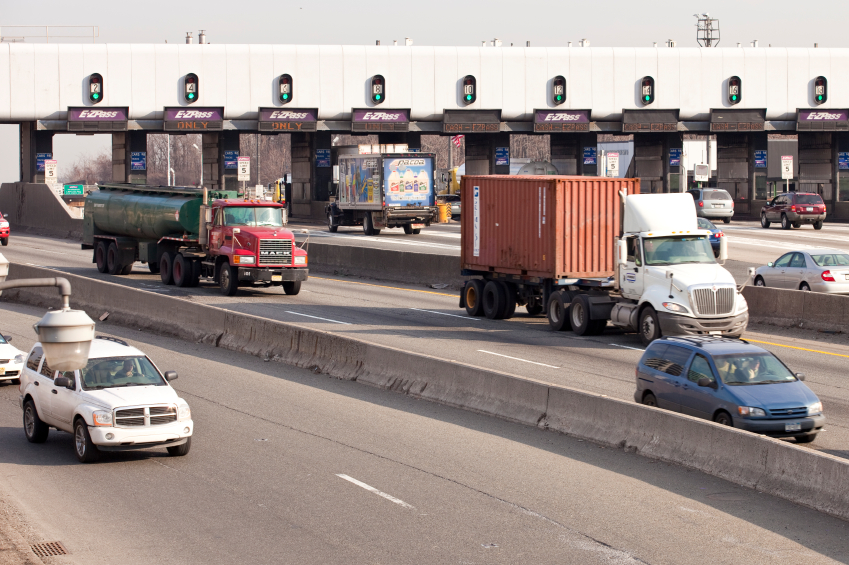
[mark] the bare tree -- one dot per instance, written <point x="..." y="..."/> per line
<point x="89" y="169"/>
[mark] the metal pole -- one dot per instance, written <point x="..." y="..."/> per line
<point x="258" y="161"/>
<point x="60" y="282"/>
<point x="201" y="159"/>
<point x="168" y="172"/>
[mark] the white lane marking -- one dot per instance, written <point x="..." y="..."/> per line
<point x="317" y="318"/>
<point x="361" y="240"/>
<point x="627" y="347"/>
<point x="774" y="244"/>
<point x="444" y="314"/>
<point x="517" y="359"/>
<point x="375" y="491"/>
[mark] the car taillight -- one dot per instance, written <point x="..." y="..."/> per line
<point x="718" y="234"/>
<point x="701" y="204"/>
<point x="827" y="276"/>
<point x="793" y="208"/>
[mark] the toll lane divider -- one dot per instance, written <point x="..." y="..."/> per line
<point x="795" y="308"/>
<point x="807" y="477"/>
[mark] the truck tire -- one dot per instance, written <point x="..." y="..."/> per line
<point x="100" y="256"/>
<point x="472" y="294"/>
<point x="368" y="225"/>
<point x="182" y="271"/>
<point x="331" y="227"/>
<point x="408" y="229"/>
<point x="154" y="267"/>
<point x="127" y="269"/>
<point x="35" y="430"/>
<point x="510" y="309"/>
<point x="579" y="317"/>
<point x="113" y="259"/>
<point x="649" y="326"/>
<point x="558" y="313"/>
<point x="196" y="270"/>
<point x="416" y="231"/>
<point x="534" y="307"/>
<point x="228" y="280"/>
<point x="494" y="300"/>
<point x="166" y="271"/>
<point x="292" y="288"/>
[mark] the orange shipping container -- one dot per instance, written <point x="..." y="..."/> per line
<point x="542" y="226"/>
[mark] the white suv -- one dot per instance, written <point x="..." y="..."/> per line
<point x="11" y="361"/>
<point x="119" y="402"/>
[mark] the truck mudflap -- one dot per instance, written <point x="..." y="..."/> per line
<point x="272" y="275"/>
<point x="673" y="324"/>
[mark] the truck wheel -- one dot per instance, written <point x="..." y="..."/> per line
<point x="472" y="297"/>
<point x="182" y="271"/>
<point x="534" y="307"/>
<point x="292" y="287"/>
<point x="228" y="280"/>
<point x="35" y="430"/>
<point x="408" y="229"/>
<point x="331" y="227"/>
<point x="368" y="226"/>
<point x="166" y="271"/>
<point x="196" y="268"/>
<point x="84" y="449"/>
<point x="579" y="316"/>
<point x="113" y="259"/>
<point x="100" y="256"/>
<point x="510" y="308"/>
<point x="416" y="231"/>
<point x="127" y="269"/>
<point x="817" y="226"/>
<point x="494" y="300"/>
<point x="154" y="267"/>
<point x="649" y="326"/>
<point x="558" y="313"/>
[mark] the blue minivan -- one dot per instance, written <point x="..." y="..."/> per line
<point x="731" y="382"/>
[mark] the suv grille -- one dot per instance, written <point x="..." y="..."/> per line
<point x="145" y="416"/>
<point x="714" y="300"/>
<point x="275" y="252"/>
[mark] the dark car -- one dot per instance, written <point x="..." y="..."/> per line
<point x="713" y="203"/>
<point x="715" y="234"/>
<point x="731" y="382"/>
<point x="793" y="209"/>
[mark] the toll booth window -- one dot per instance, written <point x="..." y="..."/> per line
<point x="251" y="216"/>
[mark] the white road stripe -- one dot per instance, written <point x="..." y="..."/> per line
<point x="517" y="359"/>
<point x="444" y="314"/>
<point x="375" y="491"/>
<point x="626" y="347"/>
<point x="362" y="239"/>
<point x="317" y="318"/>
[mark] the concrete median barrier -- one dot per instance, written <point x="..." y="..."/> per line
<point x="35" y="208"/>
<point x="807" y="477"/>
<point x="795" y="308"/>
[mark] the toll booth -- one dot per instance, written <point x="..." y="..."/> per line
<point x="655" y="133"/>
<point x="739" y="134"/>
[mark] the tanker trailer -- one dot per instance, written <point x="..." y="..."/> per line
<point x="190" y="234"/>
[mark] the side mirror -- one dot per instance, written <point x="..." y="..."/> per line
<point x="706" y="382"/>
<point x="800" y="376"/>
<point x="770" y="264"/>
<point x="7" y="338"/>
<point x="170" y="375"/>
<point x="63" y="382"/>
<point x="622" y="247"/>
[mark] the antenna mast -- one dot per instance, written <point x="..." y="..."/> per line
<point x="707" y="30"/>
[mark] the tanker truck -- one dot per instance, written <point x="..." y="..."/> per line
<point x="185" y="234"/>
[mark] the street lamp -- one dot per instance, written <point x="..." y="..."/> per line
<point x="65" y="334"/>
<point x="195" y="145"/>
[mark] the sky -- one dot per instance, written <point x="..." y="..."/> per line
<point x="607" y="23"/>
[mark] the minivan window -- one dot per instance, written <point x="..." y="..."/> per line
<point x="808" y="199"/>
<point x="752" y="369"/>
<point x="34" y="358"/>
<point x="671" y="361"/>
<point x="717" y="195"/>
<point x="700" y="369"/>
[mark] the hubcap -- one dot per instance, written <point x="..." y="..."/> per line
<point x="648" y="326"/>
<point x="79" y="440"/>
<point x="29" y="421"/>
<point x="471" y="297"/>
<point x="225" y="278"/>
<point x="554" y="311"/>
<point x="577" y="314"/>
<point x="759" y="282"/>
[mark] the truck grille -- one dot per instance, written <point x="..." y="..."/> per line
<point x="275" y="252"/>
<point x="145" y="416"/>
<point x="714" y="300"/>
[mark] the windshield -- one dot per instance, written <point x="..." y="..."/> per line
<point x="253" y="216"/>
<point x="808" y="199"/>
<point x="831" y="259"/>
<point x="756" y="369"/>
<point x="717" y="195"/>
<point x="115" y="372"/>
<point x="678" y="249"/>
<point x="706" y="224"/>
<point x="3" y="340"/>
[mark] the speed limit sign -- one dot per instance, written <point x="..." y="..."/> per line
<point x="50" y="174"/>
<point x="244" y="168"/>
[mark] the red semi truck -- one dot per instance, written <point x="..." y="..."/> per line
<point x="188" y="233"/>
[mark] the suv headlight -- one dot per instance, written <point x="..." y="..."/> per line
<point x="184" y="412"/>
<point x="301" y="260"/>
<point x="672" y="307"/>
<point x="18" y="359"/>
<point x="815" y="409"/>
<point x="751" y="411"/>
<point x="102" y="418"/>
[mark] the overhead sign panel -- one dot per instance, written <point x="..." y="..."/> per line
<point x="548" y="121"/>
<point x="471" y="121"/>
<point x="822" y="120"/>
<point x="288" y="120"/>
<point x="737" y="120"/>
<point x="97" y="119"/>
<point x="636" y="121"/>
<point x="187" y="120"/>
<point x="369" y="119"/>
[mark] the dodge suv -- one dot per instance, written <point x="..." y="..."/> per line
<point x="119" y="401"/>
<point x="793" y="209"/>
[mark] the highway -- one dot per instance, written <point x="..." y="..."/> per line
<point x="429" y="321"/>
<point x="290" y="467"/>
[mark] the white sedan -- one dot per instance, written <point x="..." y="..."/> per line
<point x="818" y="270"/>
<point x="11" y="361"/>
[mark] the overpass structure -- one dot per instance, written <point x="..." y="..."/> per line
<point x="144" y="88"/>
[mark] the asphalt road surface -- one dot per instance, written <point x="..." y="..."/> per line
<point x="429" y="321"/>
<point x="291" y="467"/>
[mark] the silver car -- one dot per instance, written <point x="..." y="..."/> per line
<point x="714" y="203"/>
<point x="819" y="270"/>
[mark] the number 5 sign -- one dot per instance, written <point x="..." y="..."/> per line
<point x="244" y="168"/>
<point x="50" y="174"/>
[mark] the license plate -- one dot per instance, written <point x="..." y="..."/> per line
<point x="418" y="226"/>
<point x="809" y="209"/>
<point x="792" y="427"/>
<point x="276" y="278"/>
<point x="719" y="205"/>
<point x="715" y="333"/>
<point x="2" y="371"/>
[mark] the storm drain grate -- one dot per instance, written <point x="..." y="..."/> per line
<point x="49" y="548"/>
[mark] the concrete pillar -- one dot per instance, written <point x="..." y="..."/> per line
<point x="229" y="178"/>
<point x="586" y="140"/>
<point x="124" y="144"/>
<point x="211" y="161"/>
<point x="310" y="183"/>
<point x="816" y="166"/>
<point x="841" y="189"/>
<point x="757" y="177"/>
<point x="33" y="142"/>
<point x="732" y="168"/>
<point x="564" y="153"/>
<point x="649" y="150"/>
<point x="671" y="174"/>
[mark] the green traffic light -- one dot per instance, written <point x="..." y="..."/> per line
<point x="468" y="96"/>
<point x="734" y="97"/>
<point x="377" y="96"/>
<point x="191" y="95"/>
<point x="95" y="96"/>
<point x="559" y="98"/>
<point x="285" y="97"/>
<point x="647" y="98"/>
<point x="819" y="97"/>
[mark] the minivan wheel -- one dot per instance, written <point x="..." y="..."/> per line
<point x="726" y="220"/>
<point x="785" y="223"/>
<point x="806" y="439"/>
<point x="764" y="222"/>
<point x="724" y="419"/>
<point x="649" y="399"/>
<point x="804" y="286"/>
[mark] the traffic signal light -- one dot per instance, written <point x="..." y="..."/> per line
<point x="286" y="89"/>
<point x="378" y="89"/>
<point x="647" y="90"/>
<point x="470" y="89"/>
<point x="820" y="90"/>
<point x="735" y="90"/>
<point x="192" y="88"/>
<point x="558" y="90"/>
<point x="95" y="88"/>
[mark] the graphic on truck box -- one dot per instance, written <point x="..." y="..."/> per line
<point x="408" y="181"/>
<point x="361" y="181"/>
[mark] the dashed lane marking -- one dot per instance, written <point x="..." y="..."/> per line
<point x="444" y="314"/>
<point x="518" y="359"/>
<point x="318" y="318"/>
<point x="369" y="488"/>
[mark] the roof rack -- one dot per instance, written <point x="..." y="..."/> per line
<point x="700" y="339"/>
<point x="115" y="339"/>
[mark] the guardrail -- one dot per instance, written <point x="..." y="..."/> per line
<point x="811" y="478"/>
